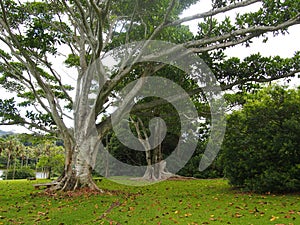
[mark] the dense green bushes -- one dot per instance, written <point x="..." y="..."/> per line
<point x="261" y="149"/>
<point x="22" y="173"/>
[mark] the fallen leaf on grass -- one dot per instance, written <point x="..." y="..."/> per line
<point x="193" y="223"/>
<point x="41" y="213"/>
<point x="237" y="215"/>
<point x="273" y="218"/>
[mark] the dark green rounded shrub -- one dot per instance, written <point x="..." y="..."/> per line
<point x="18" y="173"/>
<point x="261" y="149"/>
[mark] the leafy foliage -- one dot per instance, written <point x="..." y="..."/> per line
<point x="54" y="164"/>
<point x="261" y="148"/>
<point x="22" y="173"/>
<point x="9" y="112"/>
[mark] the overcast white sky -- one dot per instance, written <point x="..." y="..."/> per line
<point x="284" y="46"/>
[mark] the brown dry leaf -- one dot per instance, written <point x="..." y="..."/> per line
<point x="238" y="215"/>
<point x="41" y="213"/>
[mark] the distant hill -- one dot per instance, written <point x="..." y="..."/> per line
<point x="5" y="132"/>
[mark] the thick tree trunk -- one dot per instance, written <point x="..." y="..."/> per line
<point x="156" y="167"/>
<point x="71" y="180"/>
<point x="149" y="174"/>
<point x="78" y="167"/>
<point x="163" y="173"/>
<point x="157" y="171"/>
<point x="81" y="152"/>
<point x="150" y="171"/>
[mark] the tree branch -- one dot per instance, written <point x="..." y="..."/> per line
<point x="212" y="12"/>
<point x="251" y="31"/>
<point x="259" y="80"/>
<point x="158" y="102"/>
<point x="12" y="123"/>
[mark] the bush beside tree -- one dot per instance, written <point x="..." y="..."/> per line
<point x="261" y="148"/>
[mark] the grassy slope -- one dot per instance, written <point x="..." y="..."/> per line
<point x="169" y="202"/>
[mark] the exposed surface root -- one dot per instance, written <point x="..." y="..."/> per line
<point x="65" y="194"/>
<point x="73" y="183"/>
<point x="178" y="177"/>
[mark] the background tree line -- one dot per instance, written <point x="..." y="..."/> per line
<point x="21" y="155"/>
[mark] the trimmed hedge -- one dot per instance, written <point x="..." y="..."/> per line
<point x="18" y="173"/>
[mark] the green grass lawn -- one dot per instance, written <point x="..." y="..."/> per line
<point x="168" y="202"/>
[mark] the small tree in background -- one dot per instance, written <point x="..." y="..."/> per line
<point x="51" y="161"/>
